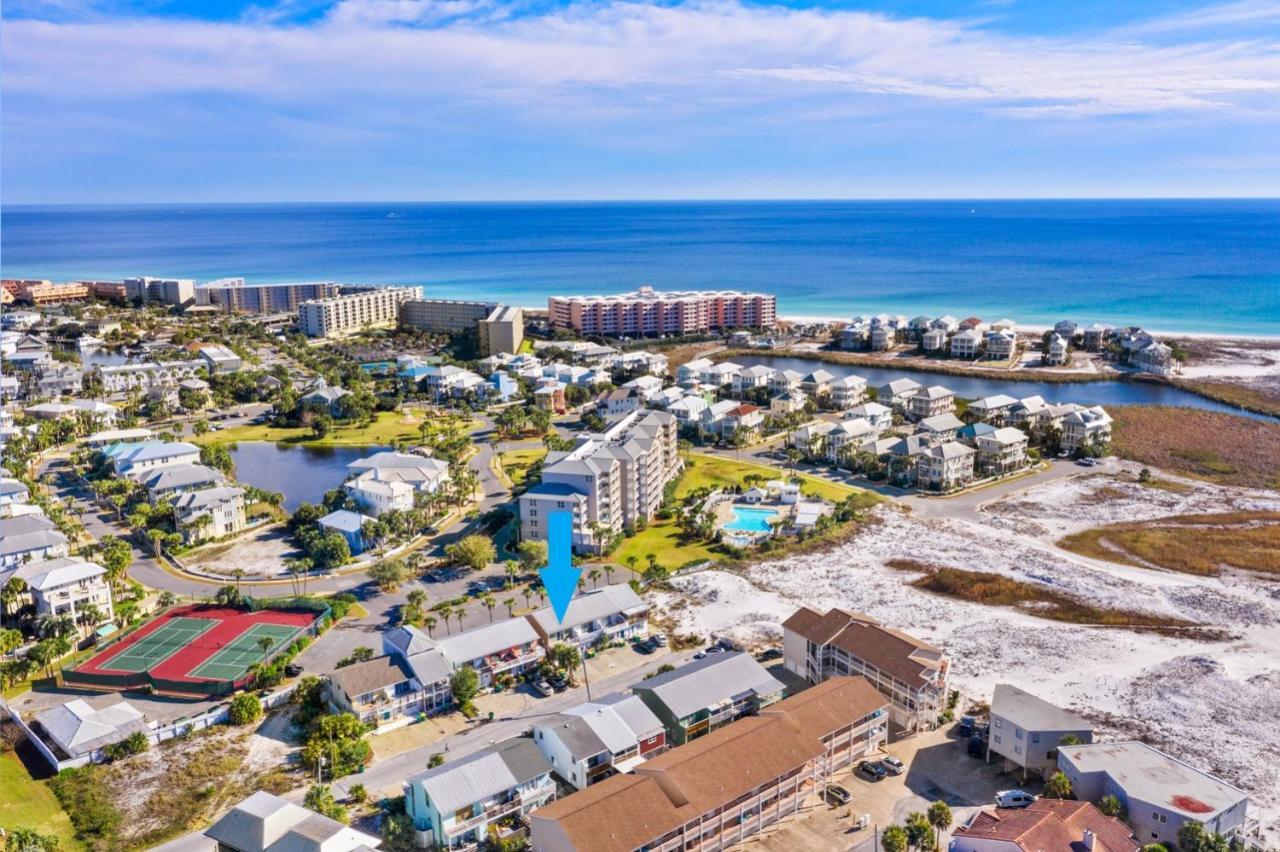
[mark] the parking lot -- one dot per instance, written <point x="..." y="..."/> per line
<point x="937" y="768"/>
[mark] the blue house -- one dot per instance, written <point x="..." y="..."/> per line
<point x="503" y="387"/>
<point x="350" y="525"/>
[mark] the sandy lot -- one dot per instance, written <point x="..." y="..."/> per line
<point x="1211" y="703"/>
<point x="261" y="554"/>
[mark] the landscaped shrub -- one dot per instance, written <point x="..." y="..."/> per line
<point x="84" y="797"/>
<point x="245" y="708"/>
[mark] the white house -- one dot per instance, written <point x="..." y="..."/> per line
<point x="966" y="344"/>
<point x="897" y="393"/>
<point x="1086" y="427"/>
<point x="848" y="391"/>
<point x="945" y="466"/>
<point x="878" y="415"/>
<point x="1002" y="451"/>
<point x="1027" y="731"/>
<point x="593" y="741"/>
<point x="223" y="506"/>
<point x="65" y="585"/>
<point x="931" y="401"/>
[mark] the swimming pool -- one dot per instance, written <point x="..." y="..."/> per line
<point x="751" y="520"/>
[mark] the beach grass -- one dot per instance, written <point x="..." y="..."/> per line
<point x="1189" y="544"/>
<point x="1226" y="449"/>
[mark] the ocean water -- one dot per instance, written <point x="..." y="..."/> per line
<point x="1196" y="265"/>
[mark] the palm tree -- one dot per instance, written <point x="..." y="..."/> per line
<point x="239" y="575"/>
<point x="156" y="537"/>
<point x="631" y="561"/>
<point x="489" y="603"/>
<point x="417" y="598"/>
<point x="429" y="622"/>
<point x="608" y="572"/>
<point x="90" y="616"/>
<point x="652" y="559"/>
<point x="446" y="612"/>
<point x="11" y="593"/>
<point x="940" y="818"/>
<point x="512" y="568"/>
<point x="459" y="612"/>
<point x="527" y="591"/>
<point x="594" y="574"/>
<point x="510" y="604"/>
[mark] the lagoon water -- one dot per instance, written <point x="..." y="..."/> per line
<point x="1188" y="265"/>
<point x="303" y="474"/>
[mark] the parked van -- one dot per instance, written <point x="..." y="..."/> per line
<point x="1014" y="799"/>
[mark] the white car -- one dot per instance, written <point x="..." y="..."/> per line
<point x="892" y="765"/>
<point x="1013" y="799"/>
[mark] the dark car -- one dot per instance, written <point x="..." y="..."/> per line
<point x="872" y="769"/>
<point x="966" y="726"/>
<point x="977" y="746"/>
<point x="292" y="670"/>
<point x="771" y="654"/>
<point x="557" y="681"/>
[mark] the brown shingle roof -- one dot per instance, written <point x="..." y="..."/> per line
<point x="907" y="658"/>
<point x="1050" y="825"/>
<point x="357" y="679"/>
<point x="628" y="811"/>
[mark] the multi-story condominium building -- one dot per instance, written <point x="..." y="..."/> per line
<point x="590" y="742"/>
<point x="119" y="378"/>
<point x="1159" y="793"/>
<point x="40" y="293"/>
<point x="222" y="506"/>
<point x="1026" y="731"/>
<point x="265" y="823"/>
<point x="111" y="290"/>
<point x="945" y="466"/>
<point x="64" y="585"/>
<point x="1085" y="428"/>
<point x="235" y="296"/>
<point x="453" y="805"/>
<point x="614" y="613"/>
<point x="910" y="672"/>
<point x="1002" y="450"/>
<point x="499" y="328"/>
<point x="1044" y="824"/>
<point x="171" y="291"/>
<point x="609" y="481"/>
<point x="378" y="691"/>
<point x="930" y="402"/>
<point x="846" y="392"/>
<point x="648" y="312"/>
<point x="220" y="359"/>
<point x="725" y="788"/>
<point x="352" y="312"/>
<point x="694" y="699"/>
<point x="501" y="331"/>
<point x="27" y="538"/>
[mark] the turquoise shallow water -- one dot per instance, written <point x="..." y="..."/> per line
<point x="1196" y="265"/>
<point x="751" y="520"/>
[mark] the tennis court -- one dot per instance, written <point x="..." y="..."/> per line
<point x="244" y="651"/>
<point x="153" y="648"/>
<point x="198" y="649"/>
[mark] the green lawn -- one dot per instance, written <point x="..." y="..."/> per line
<point x="662" y="538"/>
<point x="387" y="427"/>
<point x="516" y="463"/>
<point x="27" y="803"/>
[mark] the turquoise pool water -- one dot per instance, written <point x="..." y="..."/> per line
<point x="751" y="520"/>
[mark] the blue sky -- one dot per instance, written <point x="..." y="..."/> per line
<point x="108" y="101"/>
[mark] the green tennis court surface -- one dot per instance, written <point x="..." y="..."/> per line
<point x="172" y="637"/>
<point x="242" y="652"/>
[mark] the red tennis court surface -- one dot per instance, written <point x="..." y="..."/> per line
<point x="177" y="662"/>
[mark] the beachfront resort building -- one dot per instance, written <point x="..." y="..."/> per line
<point x="351" y="312"/>
<point x="649" y="313"/>
<point x="233" y="295"/>
<point x="911" y="673"/>
<point x="499" y="328"/>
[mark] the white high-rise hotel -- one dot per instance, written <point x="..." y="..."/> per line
<point x="649" y="312"/>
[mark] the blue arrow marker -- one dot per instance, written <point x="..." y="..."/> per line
<point x="560" y="578"/>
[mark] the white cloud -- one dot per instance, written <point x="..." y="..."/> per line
<point x="642" y="56"/>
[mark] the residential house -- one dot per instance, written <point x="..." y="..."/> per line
<point x="1002" y="451"/>
<point x="712" y="416"/>
<point x="1000" y="345"/>
<point x="991" y="409"/>
<point x="549" y="396"/>
<point x="1056" y="351"/>
<point x="1027" y="413"/>
<point x="933" y="340"/>
<point x="167" y="482"/>
<point x="647" y="386"/>
<point x="947" y="323"/>
<point x="62" y="584"/>
<point x="917" y="327"/>
<point x="619" y="401"/>
<point x="1097" y="336"/>
<point x="1026" y="731"/>
<point x="80" y="730"/>
<point x="378" y="691"/>
<point x="719" y="375"/>
<point x="966" y="344"/>
<point x="1043" y="825"/>
<point x="1066" y="329"/>
<point x="973" y="323"/>
<point x="945" y="466"/>
<point x="504" y="648"/>
<point x="910" y="672"/>
<point x="422" y="655"/>
<point x="29" y="538"/>
<point x="847" y="436"/>
<point x="1152" y="356"/>
<point x="787" y="403"/>
<point x="930" y="402"/>
<point x="726" y="787"/>
<point x="453" y="805"/>
<point x="1087" y="427"/>
<point x="784" y="381"/>
<point x="326" y="399"/>
<point x="12" y="491"/>
<point x="502" y="387"/>
<point x="748" y="379"/>
<point x="941" y="428"/>
<point x="60" y="380"/>
<point x="969" y="433"/>
<point x="611" y="614"/>
<point x="878" y="415"/>
<point x="897" y="394"/>
<point x="220" y="359"/>
<point x="855" y="336"/>
<point x="881" y="338"/>
<point x="268" y="823"/>
<point x="349" y="525"/>
<point x="688" y="410"/>
<point x="1159" y="793"/>
<point x="811" y="438"/>
<point x="135" y="459"/>
<point x="700" y="696"/>
<point x="847" y="391"/>
<point x="223" y="506"/>
<point x="744" y="417"/>
<point x="691" y="370"/>
<point x="392" y="480"/>
<point x="590" y="742"/>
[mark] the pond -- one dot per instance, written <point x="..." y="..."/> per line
<point x="301" y="474"/>
<point x="968" y="387"/>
